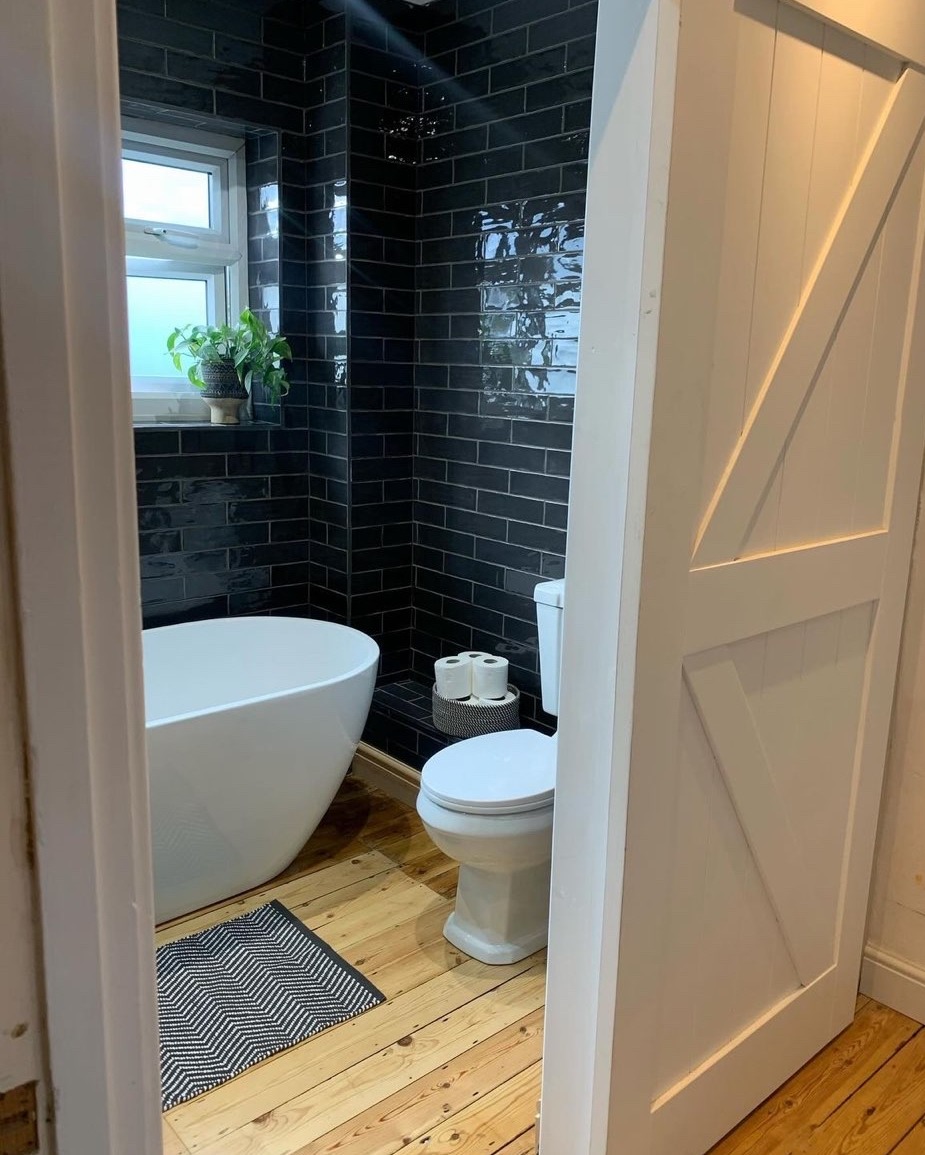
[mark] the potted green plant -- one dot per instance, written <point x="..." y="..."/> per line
<point x="226" y="359"/>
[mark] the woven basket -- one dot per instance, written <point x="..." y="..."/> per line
<point x="469" y="719"/>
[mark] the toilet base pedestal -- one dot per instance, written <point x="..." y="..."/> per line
<point x="500" y="918"/>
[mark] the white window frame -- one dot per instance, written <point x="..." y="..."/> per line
<point x="163" y="249"/>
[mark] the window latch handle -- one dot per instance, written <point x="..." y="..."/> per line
<point x="178" y="240"/>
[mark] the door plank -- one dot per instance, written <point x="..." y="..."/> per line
<point x="828" y="1081"/>
<point x="730" y="726"/>
<point x="785" y="203"/>
<point x="394" y="1124"/>
<point x="835" y="159"/>
<point x="297" y="1124"/>
<point x="485" y="1125"/>
<point x="294" y="1072"/>
<point x="742" y="599"/>
<point x="751" y="62"/>
<point x="810" y="331"/>
<point x="895" y="300"/>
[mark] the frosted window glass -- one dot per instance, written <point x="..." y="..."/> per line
<point x="156" y="306"/>
<point x="160" y="192"/>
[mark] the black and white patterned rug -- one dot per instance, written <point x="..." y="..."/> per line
<point x="234" y="994"/>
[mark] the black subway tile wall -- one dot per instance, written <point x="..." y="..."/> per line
<point x="223" y="513"/>
<point x="318" y="165"/>
<point x="386" y="43"/>
<point x="506" y="91"/>
<point x="416" y="181"/>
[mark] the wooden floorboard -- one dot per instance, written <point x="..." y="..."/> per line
<point x="524" y="1145"/>
<point x="172" y="1144"/>
<point x="450" y="1063"/>
<point x="455" y="1039"/>
<point x="914" y="1142"/>
<point x="862" y="1095"/>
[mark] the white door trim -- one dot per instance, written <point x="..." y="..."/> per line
<point x="68" y="408"/>
<point x="632" y="114"/>
<point x="70" y="431"/>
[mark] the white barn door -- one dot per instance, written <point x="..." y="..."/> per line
<point x="786" y="448"/>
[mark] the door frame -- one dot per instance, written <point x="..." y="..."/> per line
<point x="70" y="432"/>
<point x="62" y="312"/>
<point x="70" y="435"/>
<point x="632" y="115"/>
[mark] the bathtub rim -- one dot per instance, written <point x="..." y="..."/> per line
<point x="278" y="695"/>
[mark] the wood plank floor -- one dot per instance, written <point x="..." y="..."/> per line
<point x="863" y="1095"/>
<point x="450" y="1064"/>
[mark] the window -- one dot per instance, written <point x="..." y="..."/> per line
<point x="185" y="238"/>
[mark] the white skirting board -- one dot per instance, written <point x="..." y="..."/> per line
<point x="898" y="983"/>
<point x="388" y="774"/>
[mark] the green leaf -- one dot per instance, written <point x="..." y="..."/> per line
<point x="248" y="345"/>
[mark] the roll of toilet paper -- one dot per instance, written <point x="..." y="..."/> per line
<point x="453" y="677"/>
<point x="489" y="676"/>
<point x="473" y="654"/>
<point x="509" y="696"/>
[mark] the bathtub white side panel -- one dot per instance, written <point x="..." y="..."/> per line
<point x="236" y="793"/>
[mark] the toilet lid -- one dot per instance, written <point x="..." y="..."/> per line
<point x="505" y="773"/>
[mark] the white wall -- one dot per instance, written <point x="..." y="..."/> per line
<point x="894" y="967"/>
<point x="21" y="1013"/>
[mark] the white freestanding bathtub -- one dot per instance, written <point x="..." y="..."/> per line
<point x="251" y="726"/>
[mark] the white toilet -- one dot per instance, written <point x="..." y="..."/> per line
<point x="487" y="802"/>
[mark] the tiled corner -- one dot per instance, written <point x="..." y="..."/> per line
<point x="416" y="206"/>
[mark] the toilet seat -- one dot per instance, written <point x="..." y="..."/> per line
<point x="511" y="772"/>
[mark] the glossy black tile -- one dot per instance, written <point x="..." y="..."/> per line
<point x="159" y="90"/>
<point x="212" y="73"/>
<point x="464" y="120"/>
<point x="179" y="516"/>
<point x="142" y="57"/>
<point x="228" y="581"/>
<point x="159" y="542"/>
<point x="158" y="493"/>
<point x="577" y="23"/>
<point x="223" y="536"/>
<point x="155" y="468"/>
<point x="149" y="26"/>
<point x="180" y="564"/>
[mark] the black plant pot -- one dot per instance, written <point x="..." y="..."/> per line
<point x="223" y="391"/>
<point x="221" y="379"/>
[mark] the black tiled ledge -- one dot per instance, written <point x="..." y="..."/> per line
<point x="401" y="723"/>
<point x="204" y="424"/>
